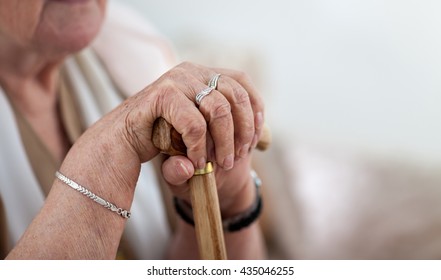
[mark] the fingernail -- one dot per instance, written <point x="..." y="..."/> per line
<point x="184" y="169"/>
<point x="228" y="162"/>
<point x="201" y="163"/>
<point x="254" y="142"/>
<point x="259" y="120"/>
<point x="244" y="150"/>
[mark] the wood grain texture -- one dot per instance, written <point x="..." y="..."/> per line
<point x="167" y="139"/>
<point x="207" y="217"/>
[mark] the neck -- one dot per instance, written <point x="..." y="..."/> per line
<point x="27" y="76"/>
<point x="30" y="80"/>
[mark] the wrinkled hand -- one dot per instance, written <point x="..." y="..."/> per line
<point x="233" y="114"/>
<point x="231" y="182"/>
<point x="223" y="129"/>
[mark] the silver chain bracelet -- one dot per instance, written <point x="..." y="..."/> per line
<point x="112" y="207"/>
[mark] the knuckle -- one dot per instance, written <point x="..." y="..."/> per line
<point x="194" y="136"/>
<point x="196" y="130"/>
<point x="166" y="91"/>
<point x="174" y="74"/>
<point x="240" y="96"/>
<point x="221" y="110"/>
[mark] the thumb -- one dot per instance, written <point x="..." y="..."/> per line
<point x="177" y="170"/>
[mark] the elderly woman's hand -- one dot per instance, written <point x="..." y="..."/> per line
<point x="233" y="194"/>
<point x="228" y="115"/>
<point x="223" y="129"/>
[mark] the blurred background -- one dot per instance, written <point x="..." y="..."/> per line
<point x="353" y="94"/>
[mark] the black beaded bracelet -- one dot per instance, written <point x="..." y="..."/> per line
<point x="236" y="223"/>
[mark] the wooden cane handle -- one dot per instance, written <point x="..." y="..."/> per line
<point x="170" y="142"/>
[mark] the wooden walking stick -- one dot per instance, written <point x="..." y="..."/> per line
<point x="203" y="192"/>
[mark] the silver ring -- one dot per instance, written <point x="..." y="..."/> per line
<point x="213" y="82"/>
<point x="202" y="94"/>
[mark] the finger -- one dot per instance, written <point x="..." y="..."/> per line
<point x="215" y="109"/>
<point x="217" y="112"/>
<point x="257" y="103"/>
<point x="177" y="170"/>
<point x="233" y="116"/>
<point x="174" y="105"/>
<point x="242" y="112"/>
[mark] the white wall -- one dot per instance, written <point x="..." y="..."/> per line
<point x="358" y="74"/>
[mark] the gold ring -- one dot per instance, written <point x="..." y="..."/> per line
<point x="207" y="169"/>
